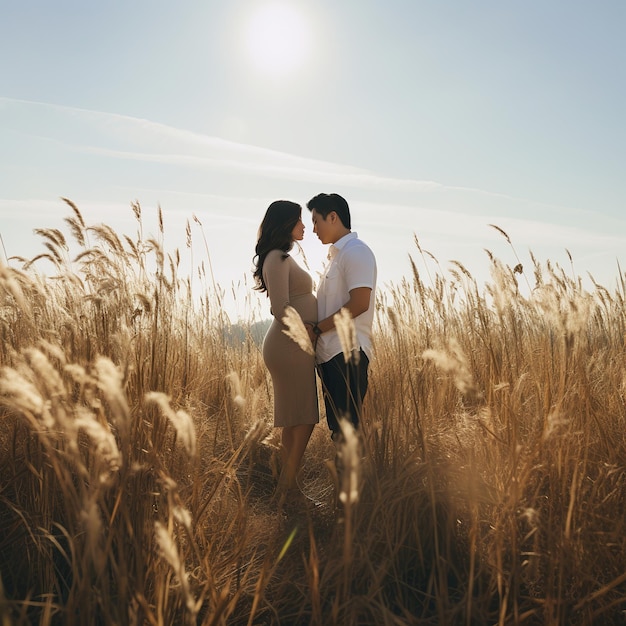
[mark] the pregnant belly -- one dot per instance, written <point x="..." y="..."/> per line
<point x="306" y="305"/>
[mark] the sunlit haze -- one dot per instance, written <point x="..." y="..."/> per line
<point x="434" y="120"/>
<point x="278" y="38"/>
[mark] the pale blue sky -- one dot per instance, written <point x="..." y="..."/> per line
<point x="433" y="118"/>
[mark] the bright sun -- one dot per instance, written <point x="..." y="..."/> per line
<point x="277" y="38"/>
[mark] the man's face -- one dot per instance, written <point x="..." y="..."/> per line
<point x="322" y="227"/>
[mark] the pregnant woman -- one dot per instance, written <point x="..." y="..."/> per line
<point x="291" y="368"/>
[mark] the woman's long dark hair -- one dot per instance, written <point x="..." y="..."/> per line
<point x="275" y="231"/>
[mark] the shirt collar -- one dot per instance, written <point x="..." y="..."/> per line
<point x="339" y="244"/>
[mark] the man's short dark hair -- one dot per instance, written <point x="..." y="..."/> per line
<point x="325" y="203"/>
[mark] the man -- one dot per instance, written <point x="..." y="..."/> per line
<point x="348" y="282"/>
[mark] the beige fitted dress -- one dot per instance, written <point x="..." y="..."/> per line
<point x="291" y="368"/>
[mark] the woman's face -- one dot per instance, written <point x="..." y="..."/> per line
<point x="297" y="234"/>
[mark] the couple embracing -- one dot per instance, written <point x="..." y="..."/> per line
<point x="348" y="282"/>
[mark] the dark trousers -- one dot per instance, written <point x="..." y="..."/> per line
<point x="344" y="385"/>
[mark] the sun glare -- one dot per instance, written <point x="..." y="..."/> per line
<point x="277" y="38"/>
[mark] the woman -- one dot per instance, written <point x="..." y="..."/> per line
<point x="291" y="368"/>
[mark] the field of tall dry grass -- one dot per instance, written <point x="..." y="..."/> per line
<point x="138" y="458"/>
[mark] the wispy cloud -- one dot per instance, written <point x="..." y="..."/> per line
<point x="118" y="136"/>
<point x="126" y="138"/>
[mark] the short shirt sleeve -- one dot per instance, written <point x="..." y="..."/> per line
<point x="359" y="267"/>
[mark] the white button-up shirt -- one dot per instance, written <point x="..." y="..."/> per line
<point x="351" y="265"/>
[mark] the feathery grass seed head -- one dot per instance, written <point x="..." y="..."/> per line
<point x="236" y="392"/>
<point x="455" y="363"/>
<point x="351" y="460"/>
<point x="346" y="330"/>
<point x="180" y="420"/>
<point x="296" y="329"/>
